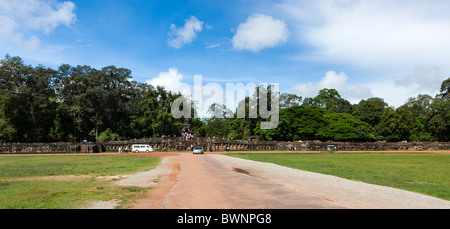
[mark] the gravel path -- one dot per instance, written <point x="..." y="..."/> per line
<point x="343" y="192"/>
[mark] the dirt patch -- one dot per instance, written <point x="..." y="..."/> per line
<point x="160" y="179"/>
<point x="149" y="178"/>
<point x="168" y="178"/>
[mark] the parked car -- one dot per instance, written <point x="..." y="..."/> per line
<point x="141" y="148"/>
<point x="198" y="150"/>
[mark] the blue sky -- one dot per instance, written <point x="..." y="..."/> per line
<point x="362" y="48"/>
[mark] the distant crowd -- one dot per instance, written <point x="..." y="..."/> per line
<point x="187" y="136"/>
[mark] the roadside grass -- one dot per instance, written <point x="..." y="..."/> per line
<point x="68" y="193"/>
<point x="31" y="166"/>
<point x="422" y="173"/>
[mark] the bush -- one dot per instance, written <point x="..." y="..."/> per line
<point x="107" y="136"/>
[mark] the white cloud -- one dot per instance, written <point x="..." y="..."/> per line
<point x="260" y="32"/>
<point x="423" y="79"/>
<point x="376" y="34"/>
<point x="186" y="34"/>
<point x="9" y="35"/>
<point x="396" y="95"/>
<point x="388" y="39"/>
<point x="19" y="19"/>
<point x="213" y="46"/>
<point x="395" y="91"/>
<point x="420" y="80"/>
<point x="334" y="80"/>
<point x="172" y="81"/>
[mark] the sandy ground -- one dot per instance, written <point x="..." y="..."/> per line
<point x="215" y="181"/>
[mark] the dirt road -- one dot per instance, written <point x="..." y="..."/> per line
<point x="221" y="182"/>
<point x="205" y="182"/>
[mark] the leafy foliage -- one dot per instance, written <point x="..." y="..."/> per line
<point x="75" y="103"/>
<point x="345" y="127"/>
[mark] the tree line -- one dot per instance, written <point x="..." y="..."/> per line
<point x="76" y="103"/>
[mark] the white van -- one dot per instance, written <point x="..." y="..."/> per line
<point x="141" y="148"/>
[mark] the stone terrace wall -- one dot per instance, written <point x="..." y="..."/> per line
<point x="215" y="145"/>
<point x="49" y="148"/>
<point x="208" y="143"/>
<point x="219" y="144"/>
<point x="373" y="146"/>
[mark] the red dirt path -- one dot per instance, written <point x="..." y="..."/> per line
<point x="197" y="182"/>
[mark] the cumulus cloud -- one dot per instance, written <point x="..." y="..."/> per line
<point x="334" y="80"/>
<point x="396" y="95"/>
<point x="388" y="39"/>
<point x="172" y="81"/>
<point x="419" y="80"/>
<point x="378" y="34"/>
<point x="260" y="32"/>
<point x="178" y="37"/>
<point x="422" y="79"/>
<point x="20" y="19"/>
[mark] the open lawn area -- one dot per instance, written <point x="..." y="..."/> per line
<point x="422" y="173"/>
<point x="68" y="181"/>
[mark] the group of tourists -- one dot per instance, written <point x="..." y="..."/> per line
<point x="121" y="149"/>
<point x="187" y="136"/>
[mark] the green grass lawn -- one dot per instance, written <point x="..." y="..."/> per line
<point x="423" y="173"/>
<point x="68" y="193"/>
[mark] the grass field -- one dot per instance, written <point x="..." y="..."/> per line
<point x="21" y="188"/>
<point x="423" y="173"/>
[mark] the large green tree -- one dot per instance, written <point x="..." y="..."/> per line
<point x="289" y="100"/>
<point x="392" y="126"/>
<point x="154" y="118"/>
<point x="28" y="100"/>
<point x="445" y="90"/>
<point x="439" y="119"/>
<point x="331" y="101"/>
<point x="296" y="123"/>
<point x="345" y="127"/>
<point x="370" y="110"/>
<point x="73" y="103"/>
<point x="414" y="113"/>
